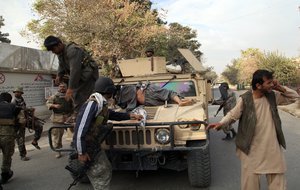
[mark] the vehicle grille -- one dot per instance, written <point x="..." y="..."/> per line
<point x="130" y="137"/>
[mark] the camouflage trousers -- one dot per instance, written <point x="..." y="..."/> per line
<point x="7" y="146"/>
<point x="100" y="172"/>
<point x="57" y="135"/>
<point x="21" y="141"/>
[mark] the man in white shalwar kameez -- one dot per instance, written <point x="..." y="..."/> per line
<point x="260" y="139"/>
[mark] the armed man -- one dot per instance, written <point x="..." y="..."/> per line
<point x="8" y="114"/>
<point x="228" y="101"/>
<point x="26" y="119"/>
<point x="61" y="111"/>
<point x="91" y="118"/>
<point x="79" y="65"/>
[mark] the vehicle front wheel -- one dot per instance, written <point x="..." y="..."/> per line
<point x="198" y="161"/>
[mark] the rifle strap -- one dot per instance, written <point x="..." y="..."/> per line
<point x="75" y="181"/>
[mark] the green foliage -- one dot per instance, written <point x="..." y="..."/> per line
<point x="111" y="28"/>
<point x="177" y="36"/>
<point x="247" y="64"/>
<point x="241" y="69"/>
<point x="284" y="69"/>
<point x="231" y="72"/>
<point x="3" y="36"/>
<point x="210" y="74"/>
<point x="108" y="28"/>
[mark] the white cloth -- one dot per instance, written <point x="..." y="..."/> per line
<point x="100" y="101"/>
<point x="141" y="111"/>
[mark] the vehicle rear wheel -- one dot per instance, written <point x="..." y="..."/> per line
<point x="199" y="165"/>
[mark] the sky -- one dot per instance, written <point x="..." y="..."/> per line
<point x="224" y="27"/>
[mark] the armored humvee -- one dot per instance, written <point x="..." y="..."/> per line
<point x="173" y="137"/>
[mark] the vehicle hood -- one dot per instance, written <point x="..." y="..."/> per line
<point x="173" y="112"/>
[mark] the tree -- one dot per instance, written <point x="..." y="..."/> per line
<point x="176" y="36"/>
<point x="248" y="64"/>
<point x="284" y="68"/>
<point x="3" y="36"/>
<point x="210" y="74"/>
<point x="111" y="29"/>
<point x="108" y="28"/>
<point x="231" y="72"/>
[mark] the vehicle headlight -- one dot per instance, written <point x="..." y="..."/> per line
<point x="162" y="136"/>
<point x="195" y="127"/>
<point x="182" y="126"/>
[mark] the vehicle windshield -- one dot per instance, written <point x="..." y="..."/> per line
<point x="183" y="88"/>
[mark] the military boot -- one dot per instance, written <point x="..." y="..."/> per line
<point x="35" y="144"/>
<point x="5" y="176"/>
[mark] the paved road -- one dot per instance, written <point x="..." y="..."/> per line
<point x="45" y="172"/>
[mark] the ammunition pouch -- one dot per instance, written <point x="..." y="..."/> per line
<point x="88" y="70"/>
<point x="105" y="130"/>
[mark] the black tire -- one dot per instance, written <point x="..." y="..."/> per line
<point x="76" y="165"/>
<point x="198" y="161"/>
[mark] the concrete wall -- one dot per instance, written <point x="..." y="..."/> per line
<point x="31" y="69"/>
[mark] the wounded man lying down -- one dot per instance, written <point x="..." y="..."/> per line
<point x="132" y="96"/>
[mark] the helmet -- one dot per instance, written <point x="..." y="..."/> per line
<point x="51" y="41"/>
<point x="105" y="85"/>
<point x="149" y="49"/>
<point x="19" y="89"/>
<point x="5" y="96"/>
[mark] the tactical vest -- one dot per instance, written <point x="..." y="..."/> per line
<point x="94" y="131"/>
<point x="89" y="66"/>
<point x="7" y="114"/>
<point x="7" y="119"/>
<point x="66" y="106"/>
<point x="247" y="122"/>
<point x="87" y="57"/>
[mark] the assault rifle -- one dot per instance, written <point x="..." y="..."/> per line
<point x="81" y="169"/>
<point x="219" y="102"/>
<point x="78" y="170"/>
<point x="32" y="122"/>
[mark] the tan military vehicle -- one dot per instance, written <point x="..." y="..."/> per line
<point x="173" y="137"/>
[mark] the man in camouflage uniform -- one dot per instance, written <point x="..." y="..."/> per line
<point x="78" y="64"/>
<point x="229" y="101"/>
<point x="8" y="113"/>
<point x="25" y="120"/>
<point x="92" y="116"/>
<point x="61" y="110"/>
<point x="19" y="101"/>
